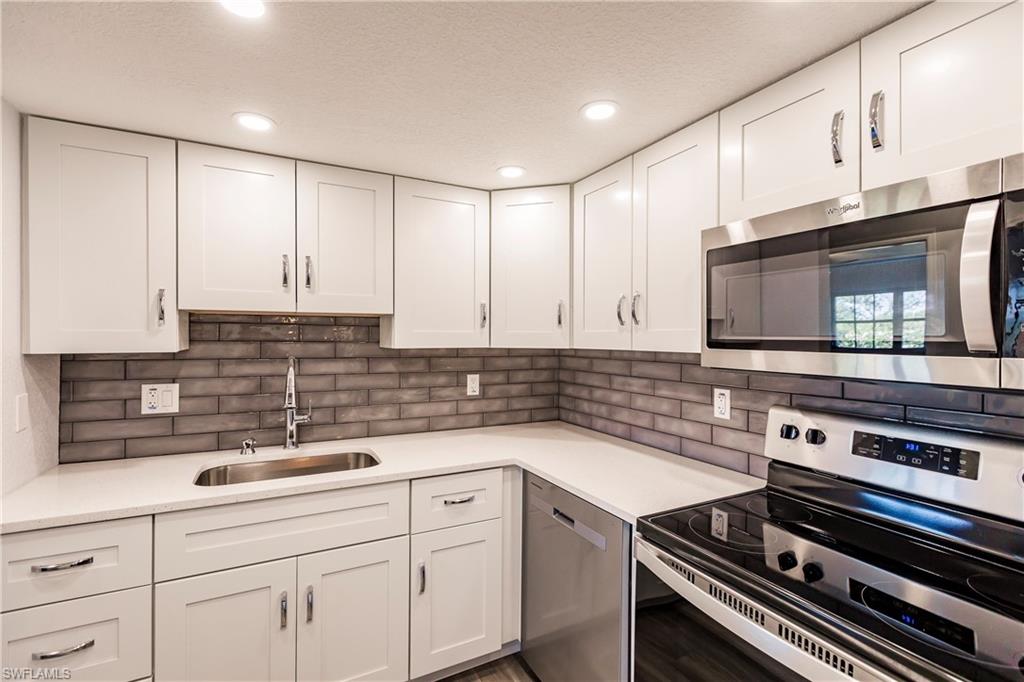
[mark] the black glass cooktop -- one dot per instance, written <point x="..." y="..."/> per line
<point x="895" y="574"/>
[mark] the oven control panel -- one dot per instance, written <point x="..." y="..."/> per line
<point x="944" y="459"/>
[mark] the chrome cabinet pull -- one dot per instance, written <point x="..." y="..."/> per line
<point x="60" y="653"/>
<point x="483" y="315"/>
<point x="50" y="568"/>
<point x="874" y="120"/>
<point x="309" y="273"/>
<point x="460" y="500"/>
<point x="423" y="576"/>
<point x="837" y="137"/>
<point x="618" y="310"/>
<point x="161" y="316"/>
<point x="558" y="314"/>
<point x="284" y="270"/>
<point x="284" y="610"/>
<point x="636" y="298"/>
<point x="309" y="604"/>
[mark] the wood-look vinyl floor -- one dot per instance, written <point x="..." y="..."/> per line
<point x="508" y="669"/>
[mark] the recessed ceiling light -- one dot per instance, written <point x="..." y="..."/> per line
<point x="253" y="121"/>
<point x="250" y="9"/>
<point x="511" y="171"/>
<point x="598" y="111"/>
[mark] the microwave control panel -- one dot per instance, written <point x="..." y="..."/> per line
<point x="912" y="453"/>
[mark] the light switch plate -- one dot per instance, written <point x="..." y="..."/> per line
<point x="723" y="403"/>
<point x="159" y="398"/>
<point x="472" y="384"/>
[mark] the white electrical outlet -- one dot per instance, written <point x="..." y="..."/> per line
<point x="723" y="404"/>
<point x="159" y="398"/>
<point x="472" y="384"/>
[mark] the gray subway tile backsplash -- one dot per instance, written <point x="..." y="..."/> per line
<point x="232" y="384"/>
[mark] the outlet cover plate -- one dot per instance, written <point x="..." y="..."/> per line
<point x="472" y="384"/>
<point x="159" y="398"/>
<point x="723" y="403"/>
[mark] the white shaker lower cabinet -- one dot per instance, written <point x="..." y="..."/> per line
<point x="99" y="268"/>
<point x="455" y="614"/>
<point x="941" y="89"/>
<point x="530" y="236"/>
<point x="675" y="183"/>
<point x="232" y="625"/>
<point x="354" y="616"/>
<point x="344" y="233"/>
<point x="793" y="143"/>
<point x="601" y="264"/>
<point x="442" y="291"/>
<point x="236" y="230"/>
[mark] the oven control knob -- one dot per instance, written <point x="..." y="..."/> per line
<point x="790" y="432"/>
<point x="813" y="573"/>
<point x="815" y="436"/>
<point x="787" y="560"/>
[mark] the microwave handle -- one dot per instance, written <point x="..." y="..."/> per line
<point x="975" y="270"/>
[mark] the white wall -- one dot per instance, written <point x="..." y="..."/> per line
<point x="23" y="454"/>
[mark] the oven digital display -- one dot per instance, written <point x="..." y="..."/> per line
<point x="935" y="626"/>
<point x="919" y="455"/>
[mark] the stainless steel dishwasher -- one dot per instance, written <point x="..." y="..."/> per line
<point x="575" y="587"/>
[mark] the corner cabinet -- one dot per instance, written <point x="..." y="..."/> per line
<point x="236" y="230"/>
<point x="99" y="267"/>
<point x="793" y="143"/>
<point x="674" y="197"/>
<point x="601" y="267"/>
<point x="442" y="268"/>
<point x="941" y="89"/>
<point x="530" y="235"/>
<point x="344" y="235"/>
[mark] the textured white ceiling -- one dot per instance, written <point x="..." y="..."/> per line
<point x="445" y="91"/>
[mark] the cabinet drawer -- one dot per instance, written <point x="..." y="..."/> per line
<point x="445" y="501"/>
<point x="106" y="637"/>
<point x="204" y="540"/>
<point x="55" y="564"/>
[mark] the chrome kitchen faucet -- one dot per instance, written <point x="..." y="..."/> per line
<point x="292" y="415"/>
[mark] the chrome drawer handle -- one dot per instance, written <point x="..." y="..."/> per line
<point x="618" y="310"/>
<point x="423" y="577"/>
<point x="874" y="119"/>
<point x="636" y="299"/>
<point x="50" y="568"/>
<point x="60" y="653"/>
<point x="284" y="270"/>
<point x="309" y="604"/>
<point x="309" y="274"/>
<point x="558" y="314"/>
<point x="284" y="610"/>
<point x="483" y="315"/>
<point x="162" y="315"/>
<point x="460" y="500"/>
<point x="837" y="137"/>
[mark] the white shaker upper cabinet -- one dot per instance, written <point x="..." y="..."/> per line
<point x="530" y="267"/>
<point x="345" y="238"/>
<point x="795" y="142"/>
<point x="99" y="274"/>
<point x="236" y="230"/>
<point x="941" y="89"/>
<point x="441" y="267"/>
<point x="602" y="236"/>
<point x="675" y="196"/>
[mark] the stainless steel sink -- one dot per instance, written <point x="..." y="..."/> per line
<point x="245" y="472"/>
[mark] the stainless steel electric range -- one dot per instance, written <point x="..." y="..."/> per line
<point x="878" y="551"/>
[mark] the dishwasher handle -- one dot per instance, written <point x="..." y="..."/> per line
<point x="564" y="518"/>
<point x="583" y="530"/>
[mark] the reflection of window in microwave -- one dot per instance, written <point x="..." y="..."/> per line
<point x="870" y="320"/>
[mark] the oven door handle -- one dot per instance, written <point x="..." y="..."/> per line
<point x="975" y="273"/>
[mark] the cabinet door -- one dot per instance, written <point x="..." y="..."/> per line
<point x="441" y="267"/>
<point x="231" y="625"/>
<point x="777" y="147"/>
<point x="675" y="183"/>
<point x="602" y="236"/>
<point x="354" y="620"/>
<point x="947" y="85"/>
<point x="530" y="267"/>
<point x="236" y="230"/>
<point x="456" y="596"/>
<point x="344" y="234"/>
<point x="100" y="272"/>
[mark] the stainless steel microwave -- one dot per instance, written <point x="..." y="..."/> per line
<point x="909" y="282"/>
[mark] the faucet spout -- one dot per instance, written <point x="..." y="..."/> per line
<point x="289" y="386"/>
<point x="291" y="412"/>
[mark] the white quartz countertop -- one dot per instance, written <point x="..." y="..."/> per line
<point x="626" y="479"/>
